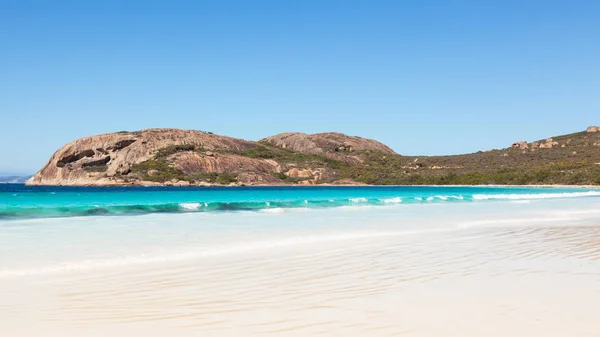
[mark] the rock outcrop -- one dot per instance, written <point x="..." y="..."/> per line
<point x="333" y="145"/>
<point x="108" y="158"/>
<point x="188" y="157"/>
<point x="550" y="143"/>
<point x="520" y="146"/>
<point x="321" y="143"/>
<point x="593" y="129"/>
<point x="545" y="144"/>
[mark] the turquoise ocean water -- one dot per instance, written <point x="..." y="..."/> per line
<point x="18" y="201"/>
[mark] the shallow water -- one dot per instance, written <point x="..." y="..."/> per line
<point x="18" y="201"/>
<point x="523" y="265"/>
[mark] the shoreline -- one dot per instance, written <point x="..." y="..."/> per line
<point x="316" y="185"/>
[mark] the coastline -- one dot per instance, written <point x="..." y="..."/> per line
<point x="312" y="185"/>
<point x="175" y="157"/>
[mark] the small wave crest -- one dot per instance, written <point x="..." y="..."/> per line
<point x="191" y="205"/>
<point x="395" y="200"/>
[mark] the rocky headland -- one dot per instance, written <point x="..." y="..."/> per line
<point x="195" y="158"/>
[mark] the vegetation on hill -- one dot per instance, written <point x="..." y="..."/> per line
<point x="157" y="170"/>
<point x="570" y="159"/>
<point x="397" y="170"/>
<point x="575" y="160"/>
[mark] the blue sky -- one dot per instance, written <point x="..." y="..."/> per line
<point x="425" y="77"/>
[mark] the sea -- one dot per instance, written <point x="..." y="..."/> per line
<point x="299" y="261"/>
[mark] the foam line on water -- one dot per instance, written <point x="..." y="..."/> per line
<point x="395" y="200"/>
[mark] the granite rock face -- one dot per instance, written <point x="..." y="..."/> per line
<point x="333" y="145"/>
<point x="188" y="157"/>
<point x="321" y="143"/>
<point x="103" y="159"/>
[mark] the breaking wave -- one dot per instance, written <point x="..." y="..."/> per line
<point x="8" y="212"/>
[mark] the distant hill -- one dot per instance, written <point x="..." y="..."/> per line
<point x="572" y="159"/>
<point x="190" y="157"/>
<point x="14" y="179"/>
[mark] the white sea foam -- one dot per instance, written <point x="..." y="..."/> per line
<point x="191" y="206"/>
<point x="536" y="196"/>
<point x="442" y="197"/>
<point x="395" y="200"/>
<point x="358" y="199"/>
<point x="273" y="210"/>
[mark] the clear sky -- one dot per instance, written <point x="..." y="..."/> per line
<point x="425" y="77"/>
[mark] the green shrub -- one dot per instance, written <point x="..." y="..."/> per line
<point x="208" y="177"/>
<point x="226" y="178"/>
<point x="214" y="177"/>
<point x="158" y="171"/>
<point x="280" y="176"/>
<point x="172" y="149"/>
<point x="260" y="152"/>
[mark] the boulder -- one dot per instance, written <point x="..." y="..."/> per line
<point x="299" y="173"/>
<point x="520" y="146"/>
<point x="548" y="144"/>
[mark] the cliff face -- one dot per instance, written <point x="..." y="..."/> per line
<point x="184" y="157"/>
